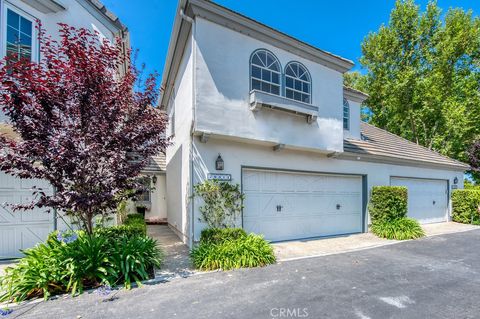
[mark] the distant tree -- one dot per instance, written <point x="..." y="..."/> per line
<point x="82" y="125"/>
<point x="423" y="76"/>
<point x="355" y="80"/>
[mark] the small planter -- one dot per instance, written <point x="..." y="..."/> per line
<point x="141" y="210"/>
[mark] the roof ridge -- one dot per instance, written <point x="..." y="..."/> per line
<point x="410" y="142"/>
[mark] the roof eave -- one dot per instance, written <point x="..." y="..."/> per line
<point x="401" y="161"/>
<point x="354" y="95"/>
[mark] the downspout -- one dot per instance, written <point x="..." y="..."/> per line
<point x="192" y="203"/>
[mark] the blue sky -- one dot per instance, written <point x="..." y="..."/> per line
<point x="336" y="26"/>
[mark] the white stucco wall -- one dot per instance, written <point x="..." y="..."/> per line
<point x="222" y="93"/>
<point x="180" y="110"/>
<point x="157" y="209"/>
<point x="236" y="155"/>
<point x="158" y="199"/>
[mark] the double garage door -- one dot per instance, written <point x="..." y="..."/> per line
<point x="290" y="205"/>
<point x="20" y="229"/>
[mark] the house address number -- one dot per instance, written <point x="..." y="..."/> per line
<point x="220" y="177"/>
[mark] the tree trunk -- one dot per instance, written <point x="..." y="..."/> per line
<point x="414" y="129"/>
<point x="88" y="223"/>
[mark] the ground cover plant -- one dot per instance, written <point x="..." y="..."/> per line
<point x="72" y="261"/>
<point x="231" y="248"/>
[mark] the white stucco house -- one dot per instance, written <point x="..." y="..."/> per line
<point x="23" y="229"/>
<point x="275" y="110"/>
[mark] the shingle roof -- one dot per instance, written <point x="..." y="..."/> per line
<point x="157" y="164"/>
<point x="380" y="143"/>
<point x="108" y="14"/>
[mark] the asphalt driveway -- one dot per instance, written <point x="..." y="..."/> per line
<point x="436" y="277"/>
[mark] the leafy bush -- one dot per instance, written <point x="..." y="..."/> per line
<point x="120" y="231"/>
<point x="465" y="206"/>
<point x="219" y="235"/>
<point x="135" y="258"/>
<point x="223" y="202"/>
<point x="400" y="229"/>
<point x="229" y="249"/>
<point x="388" y="203"/>
<point x="64" y="265"/>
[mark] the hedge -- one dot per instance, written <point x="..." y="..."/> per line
<point x="465" y="204"/>
<point x="388" y="203"/>
<point x="219" y="235"/>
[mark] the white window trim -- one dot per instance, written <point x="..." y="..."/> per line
<point x="348" y="114"/>
<point x="279" y="73"/>
<point x="3" y="29"/>
<point x="309" y="82"/>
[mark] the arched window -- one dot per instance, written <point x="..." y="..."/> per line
<point x="298" y="83"/>
<point x="346" y="114"/>
<point x="265" y="72"/>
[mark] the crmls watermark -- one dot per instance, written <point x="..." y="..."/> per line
<point x="289" y="313"/>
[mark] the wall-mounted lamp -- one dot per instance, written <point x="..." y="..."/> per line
<point x="219" y="165"/>
<point x="154" y="179"/>
<point x="455" y="180"/>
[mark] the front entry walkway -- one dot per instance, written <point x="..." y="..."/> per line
<point x="176" y="261"/>
<point x="299" y="249"/>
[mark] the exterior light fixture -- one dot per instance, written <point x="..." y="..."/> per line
<point x="219" y="165"/>
<point x="455" y="180"/>
<point x="154" y="179"/>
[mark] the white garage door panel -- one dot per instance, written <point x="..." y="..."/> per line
<point x="309" y="204"/>
<point x="21" y="229"/>
<point x="427" y="198"/>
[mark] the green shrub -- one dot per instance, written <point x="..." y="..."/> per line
<point x="79" y="261"/>
<point x="136" y="221"/>
<point x="245" y="251"/>
<point x="121" y="231"/>
<point x="135" y="259"/>
<point x="134" y="218"/>
<point x="388" y="203"/>
<point x="218" y="235"/>
<point x="222" y="203"/>
<point x="400" y="229"/>
<point x="465" y="205"/>
<point x="42" y="272"/>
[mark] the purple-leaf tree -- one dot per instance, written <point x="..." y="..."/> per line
<point x="474" y="159"/>
<point x="82" y="125"/>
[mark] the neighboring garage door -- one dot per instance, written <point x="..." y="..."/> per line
<point x="20" y="229"/>
<point x="427" y="198"/>
<point x="286" y="205"/>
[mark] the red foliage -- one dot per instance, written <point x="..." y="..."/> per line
<point x="474" y="156"/>
<point x="79" y="123"/>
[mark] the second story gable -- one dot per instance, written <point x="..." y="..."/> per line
<point x="251" y="82"/>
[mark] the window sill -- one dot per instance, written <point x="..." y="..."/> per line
<point x="259" y="100"/>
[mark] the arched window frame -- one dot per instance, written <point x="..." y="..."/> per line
<point x="301" y="87"/>
<point x="346" y="114"/>
<point x="269" y="80"/>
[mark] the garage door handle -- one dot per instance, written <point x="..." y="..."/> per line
<point x="434" y="202"/>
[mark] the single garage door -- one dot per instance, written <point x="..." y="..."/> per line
<point x="286" y="205"/>
<point x="427" y="198"/>
<point x="20" y="229"/>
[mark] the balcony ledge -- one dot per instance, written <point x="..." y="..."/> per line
<point x="259" y="100"/>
